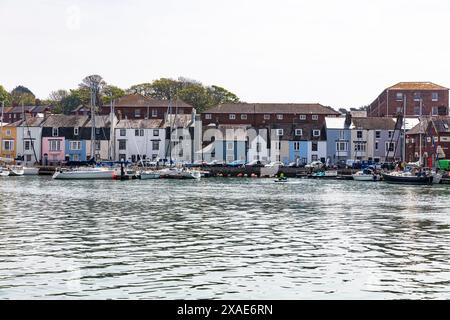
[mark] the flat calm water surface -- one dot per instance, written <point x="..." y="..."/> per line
<point x="218" y="238"/>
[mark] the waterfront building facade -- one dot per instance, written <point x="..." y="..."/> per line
<point x="429" y="141"/>
<point x="63" y="139"/>
<point x="136" y="106"/>
<point x="372" y="139"/>
<point x="8" y="142"/>
<point x="418" y="98"/>
<point x="140" y="139"/>
<point x="29" y="136"/>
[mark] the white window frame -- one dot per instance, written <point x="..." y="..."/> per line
<point x="358" y="133"/>
<point x="296" y="146"/>
<point x="10" y="145"/>
<point x="341" y="143"/>
<point x="243" y="116"/>
<point x="232" y="116"/>
<point x="155" y="142"/>
<point x="377" y="134"/>
<point x="397" y="95"/>
<point x="279" y="117"/>
<point x="279" y="132"/>
<point x="303" y="117"/>
<point x="137" y="113"/>
<point x="76" y="131"/>
<point x="154" y="113"/>
<point x="55" y="132"/>
<point x="208" y="116"/>
<point x="433" y="94"/>
<point x="298" y="132"/>
<point x="27" y="145"/>
<point x="315" y="117"/>
<point x="315" y="134"/>
<point x="267" y="117"/>
<point x="155" y="132"/>
<point x="75" y="145"/>
<point x="54" y="145"/>
<point x="123" y="132"/>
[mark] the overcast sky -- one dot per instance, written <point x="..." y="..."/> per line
<point x="338" y="53"/>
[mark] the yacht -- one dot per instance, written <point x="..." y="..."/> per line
<point x="84" y="173"/>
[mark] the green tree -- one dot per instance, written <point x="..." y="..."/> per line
<point x="5" y="97"/>
<point x="165" y="88"/>
<point x="111" y="92"/>
<point x="21" y="94"/>
<point x="144" y="89"/>
<point x="220" y="95"/>
<point x="196" y="95"/>
<point x="75" y="98"/>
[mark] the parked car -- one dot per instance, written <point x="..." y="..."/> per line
<point x="236" y="163"/>
<point x="315" y="165"/>
<point x="215" y="163"/>
<point x="275" y="163"/>
<point x="256" y="163"/>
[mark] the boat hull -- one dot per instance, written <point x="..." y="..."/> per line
<point x="365" y="177"/>
<point x="30" y="171"/>
<point x="149" y="176"/>
<point x="84" y="175"/>
<point x="427" y="180"/>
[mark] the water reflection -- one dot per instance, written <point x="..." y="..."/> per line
<point x="222" y="238"/>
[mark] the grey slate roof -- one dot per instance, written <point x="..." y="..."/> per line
<point x="374" y="123"/>
<point x="291" y="108"/>
<point x="139" y="124"/>
<point x="65" y="121"/>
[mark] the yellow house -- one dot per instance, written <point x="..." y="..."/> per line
<point x="8" y="139"/>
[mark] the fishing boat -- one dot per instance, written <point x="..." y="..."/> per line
<point x="366" y="175"/>
<point x="84" y="174"/>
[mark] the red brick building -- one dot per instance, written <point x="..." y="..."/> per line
<point x="135" y="106"/>
<point x="429" y="139"/>
<point x="263" y="114"/>
<point x="420" y="98"/>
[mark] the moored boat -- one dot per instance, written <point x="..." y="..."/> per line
<point x="177" y="173"/>
<point x="366" y="175"/>
<point x="147" y="175"/>
<point x="30" y="171"/>
<point x="407" y="178"/>
<point x="84" y="174"/>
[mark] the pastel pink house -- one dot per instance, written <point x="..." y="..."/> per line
<point x="53" y="149"/>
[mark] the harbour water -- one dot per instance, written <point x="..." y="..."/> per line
<point x="218" y="238"/>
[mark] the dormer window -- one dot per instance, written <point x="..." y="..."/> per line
<point x="279" y="116"/>
<point x="315" y="117"/>
<point x="208" y="116"/>
<point x="267" y="117"/>
<point x="55" y="132"/>
<point x="76" y="131"/>
<point x="154" y="113"/>
<point x="303" y="117"/>
<point x="232" y="116"/>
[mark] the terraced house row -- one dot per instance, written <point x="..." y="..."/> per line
<point x="139" y="128"/>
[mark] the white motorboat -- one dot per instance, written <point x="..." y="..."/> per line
<point x="366" y="175"/>
<point x="84" y="173"/>
<point x="11" y="171"/>
<point x="177" y="173"/>
<point x="145" y="175"/>
<point x="30" y="171"/>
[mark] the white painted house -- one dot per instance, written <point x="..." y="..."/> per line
<point x="28" y="142"/>
<point x="140" y="139"/>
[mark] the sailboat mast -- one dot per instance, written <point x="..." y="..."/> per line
<point x="1" y="128"/>
<point x="404" y="130"/>
<point x="93" y="123"/>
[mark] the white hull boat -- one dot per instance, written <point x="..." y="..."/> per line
<point x="176" y="173"/>
<point x="366" y="175"/>
<point x="84" y="174"/>
<point x="11" y="172"/>
<point x="146" y="175"/>
<point x="30" y="171"/>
